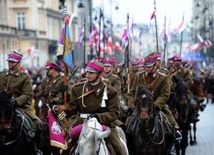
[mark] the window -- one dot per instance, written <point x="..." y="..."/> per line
<point x="21" y="21"/>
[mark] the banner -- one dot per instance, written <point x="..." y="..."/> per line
<point x="56" y="137"/>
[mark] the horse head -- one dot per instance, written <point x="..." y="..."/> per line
<point x="41" y="108"/>
<point x="6" y="111"/>
<point x="92" y="136"/>
<point x="181" y="91"/>
<point x="144" y="102"/>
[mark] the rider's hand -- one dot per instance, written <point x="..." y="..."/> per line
<point x="53" y="104"/>
<point x="95" y="116"/>
<point x="14" y="102"/>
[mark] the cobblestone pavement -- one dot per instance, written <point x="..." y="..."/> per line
<point x="204" y="134"/>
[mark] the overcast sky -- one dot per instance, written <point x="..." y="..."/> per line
<point x="141" y="10"/>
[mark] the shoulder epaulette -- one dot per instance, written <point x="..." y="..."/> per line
<point x="161" y="73"/>
<point x="79" y="83"/>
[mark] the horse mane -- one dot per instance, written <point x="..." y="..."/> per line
<point x="4" y="97"/>
<point x="142" y="89"/>
<point x="144" y="97"/>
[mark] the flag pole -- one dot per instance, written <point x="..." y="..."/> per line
<point x="128" y="55"/>
<point x="100" y="16"/>
<point x="61" y="114"/>
<point x="156" y="29"/>
<point x="165" y="37"/>
<point x="84" y="46"/>
<point x="181" y="40"/>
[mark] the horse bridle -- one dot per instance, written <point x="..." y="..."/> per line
<point x="18" y="136"/>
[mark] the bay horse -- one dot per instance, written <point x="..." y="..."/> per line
<point x="185" y="105"/>
<point x="41" y="109"/>
<point x="13" y="137"/>
<point x="197" y="88"/>
<point x="144" y="128"/>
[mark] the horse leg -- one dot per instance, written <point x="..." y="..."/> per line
<point x="190" y="135"/>
<point x="184" y="141"/>
<point x="194" y="131"/>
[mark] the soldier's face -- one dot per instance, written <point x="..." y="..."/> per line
<point x="13" y="65"/>
<point x="150" y="69"/>
<point x="91" y="76"/>
<point x="107" y="69"/>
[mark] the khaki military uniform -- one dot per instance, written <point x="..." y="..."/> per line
<point x="52" y="88"/>
<point x="19" y="85"/>
<point x="182" y="74"/>
<point x="91" y="103"/>
<point x="159" y="84"/>
<point x="114" y="81"/>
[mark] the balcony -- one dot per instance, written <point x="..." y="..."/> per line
<point x="7" y="30"/>
<point x="26" y="33"/>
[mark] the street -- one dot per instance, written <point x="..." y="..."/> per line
<point x="204" y="134"/>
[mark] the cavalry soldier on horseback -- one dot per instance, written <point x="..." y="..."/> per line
<point x="18" y="84"/>
<point x="107" y="74"/>
<point x="114" y="81"/>
<point x="95" y="98"/>
<point x="158" y="82"/>
<point x="53" y="87"/>
<point x="178" y="71"/>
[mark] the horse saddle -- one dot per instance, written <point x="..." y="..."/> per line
<point x="168" y="128"/>
<point x="131" y="122"/>
<point x="29" y="126"/>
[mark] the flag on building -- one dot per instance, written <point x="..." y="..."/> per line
<point x="81" y="36"/>
<point x="208" y="43"/>
<point x="200" y="38"/>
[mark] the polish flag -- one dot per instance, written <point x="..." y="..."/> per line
<point x="117" y="46"/>
<point x="200" y="38"/>
<point x="152" y="17"/>
<point x="180" y="27"/>
<point x="208" y="43"/>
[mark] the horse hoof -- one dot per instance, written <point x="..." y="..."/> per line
<point x="191" y="142"/>
<point x="195" y="143"/>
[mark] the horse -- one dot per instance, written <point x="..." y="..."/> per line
<point x="197" y="89"/>
<point x="185" y="106"/>
<point x="90" y="138"/>
<point x="145" y="128"/>
<point x="41" y="109"/>
<point x="13" y="138"/>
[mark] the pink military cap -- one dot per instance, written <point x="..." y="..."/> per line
<point x="52" y="65"/>
<point x="156" y="55"/>
<point x="149" y="61"/>
<point x="14" y="57"/>
<point x="176" y="58"/>
<point x="94" y="66"/>
<point x="108" y="62"/>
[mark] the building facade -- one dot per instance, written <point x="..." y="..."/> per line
<point x="32" y="27"/>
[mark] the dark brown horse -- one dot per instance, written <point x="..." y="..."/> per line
<point x="13" y="137"/>
<point x="41" y="109"/>
<point x="197" y="88"/>
<point x="185" y="105"/>
<point x="145" y="129"/>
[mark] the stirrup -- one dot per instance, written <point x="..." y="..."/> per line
<point x="178" y="135"/>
